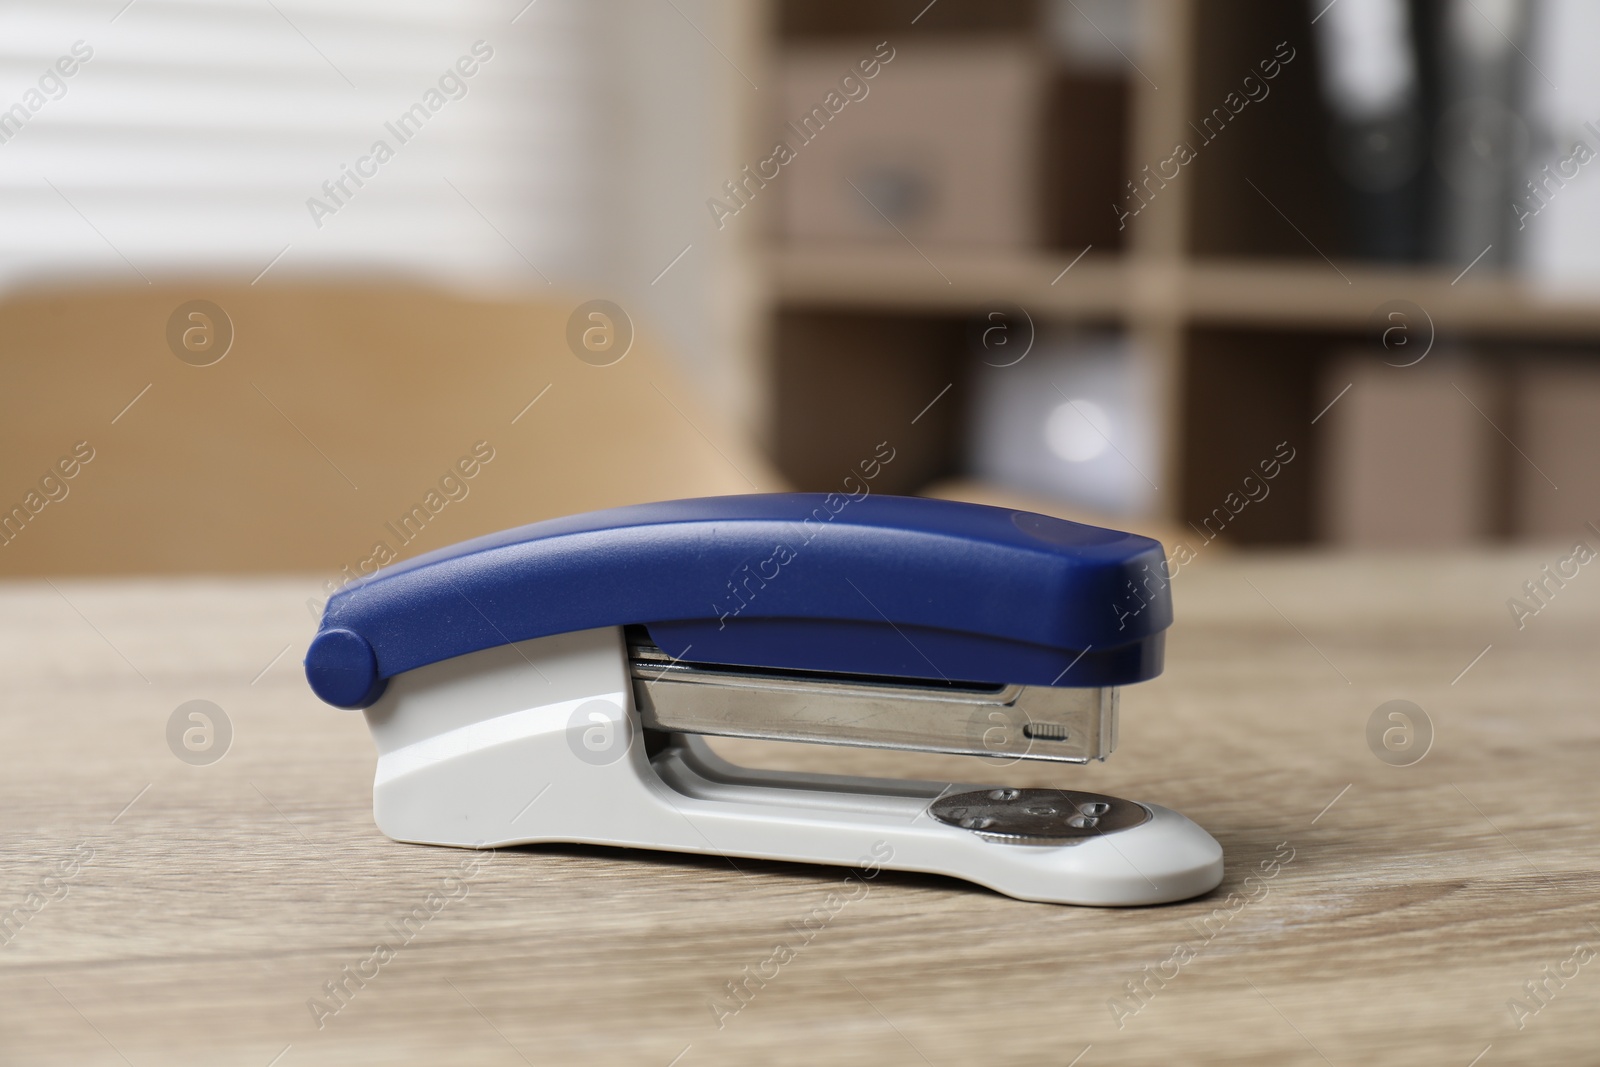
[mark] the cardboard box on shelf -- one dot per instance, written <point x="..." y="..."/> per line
<point x="938" y="143"/>
<point x="1556" y="423"/>
<point x="1411" y="457"/>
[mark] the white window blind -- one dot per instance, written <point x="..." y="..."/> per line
<point x="200" y="135"/>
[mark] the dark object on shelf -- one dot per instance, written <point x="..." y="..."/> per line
<point x="1373" y="79"/>
<point x="1480" y="142"/>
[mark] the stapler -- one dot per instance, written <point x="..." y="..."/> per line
<point x="556" y="683"/>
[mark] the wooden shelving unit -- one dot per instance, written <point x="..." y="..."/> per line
<point x="1271" y="293"/>
<point x="1234" y="299"/>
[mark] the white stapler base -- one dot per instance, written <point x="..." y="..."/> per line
<point x="530" y="742"/>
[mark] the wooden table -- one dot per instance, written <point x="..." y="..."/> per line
<point x="187" y="914"/>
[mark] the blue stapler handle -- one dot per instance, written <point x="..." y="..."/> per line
<point x="887" y="586"/>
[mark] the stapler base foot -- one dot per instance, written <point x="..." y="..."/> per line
<point x="538" y="741"/>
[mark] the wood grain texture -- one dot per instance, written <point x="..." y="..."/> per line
<point x="1417" y="901"/>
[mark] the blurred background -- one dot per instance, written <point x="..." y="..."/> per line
<point x="312" y="287"/>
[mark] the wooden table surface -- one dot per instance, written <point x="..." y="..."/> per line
<point x="161" y="912"/>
